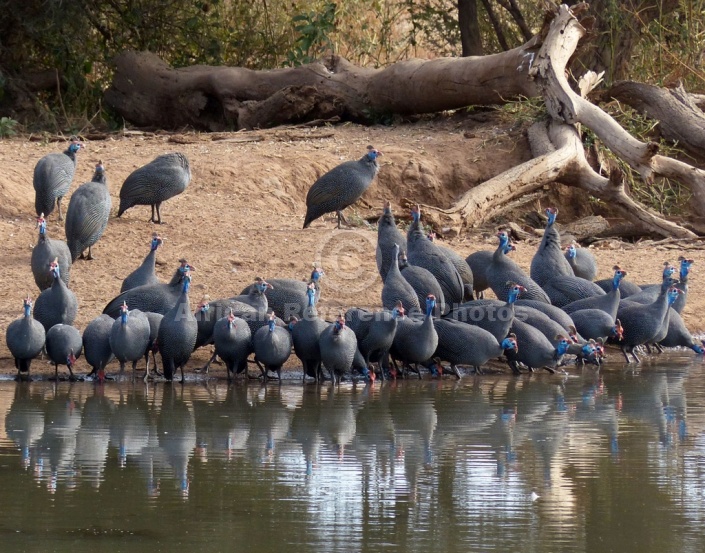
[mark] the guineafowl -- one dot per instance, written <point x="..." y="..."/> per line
<point x="415" y="340"/>
<point x="548" y="261"/>
<point x="609" y="303"/>
<point x="491" y="315"/>
<point x="596" y="323"/>
<point x="463" y="344"/>
<point x="57" y="304"/>
<point x="424" y="283"/>
<point x="679" y="336"/>
<point x="540" y="321"/>
<point x="46" y="251"/>
<point x="397" y="289"/>
<point x="424" y="253"/>
<point x="341" y="187"/>
<point x="272" y="346"/>
<point x="338" y="348"/>
<point x="581" y="261"/>
<point x="650" y="292"/>
<point x="565" y="289"/>
<point x="177" y="333"/>
<point x="162" y="178"/>
<point x="387" y="235"/>
<point x="96" y="345"/>
<point x="375" y="333"/>
<point x="682" y="285"/>
<point x="87" y="215"/>
<point x="154" y="298"/>
<point x="478" y="263"/>
<point x="534" y="350"/>
<point x="256" y="297"/>
<point x="64" y="345"/>
<point x="129" y="337"/>
<point x="306" y="335"/>
<point x="25" y="339"/>
<point x="144" y="274"/>
<point x="502" y="273"/>
<point x="461" y="266"/>
<point x="232" y="337"/>
<point x="642" y="322"/>
<point x="551" y="311"/>
<point x="52" y="178"/>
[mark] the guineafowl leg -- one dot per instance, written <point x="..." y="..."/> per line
<point x="159" y="215"/>
<point x="58" y="205"/>
<point x="134" y="370"/>
<point x="89" y="257"/>
<point x="183" y="378"/>
<point x="635" y="356"/>
<point x="658" y="348"/>
<point x="341" y="217"/>
<point x="477" y="369"/>
<point x="456" y="371"/>
<point x="56" y="372"/>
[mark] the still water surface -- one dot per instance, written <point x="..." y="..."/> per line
<point x="611" y="461"/>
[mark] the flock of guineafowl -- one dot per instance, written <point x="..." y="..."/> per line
<point x="539" y="320"/>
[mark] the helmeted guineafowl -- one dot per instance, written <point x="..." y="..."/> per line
<point x="534" y="350"/>
<point x="540" y="321"/>
<point x="596" y="323"/>
<point x="341" y="187"/>
<point x="424" y="283"/>
<point x="144" y="274"/>
<point x="463" y="344"/>
<point x="415" y="340"/>
<point x="96" y="345"/>
<point x="396" y="288"/>
<point x="272" y="345"/>
<point x="57" y="304"/>
<point x="162" y="178"/>
<point x="256" y="297"/>
<point x="232" y="337"/>
<point x="25" y="339"/>
<point x="129" y="337"/>
<point x="626" y="288"/>
<point x="461" y="266"/>
<point x="609" y="303"/>
<point x="650" y="292"/>
<point x="478" y="263"/>
<point x="155" y="298"/>
<point x="305" y="336"/>
<point x="548" y="261"/>
<point x="581" y="261"/>
<point x="502" y="273"/>
<point x="44" y="253"/>
<point x="491" y="315"/>
<point x="64" y="345"/>
<point x="177" y="333"/>
<point x="565" y="289"/>
<point x="375" y="332"/>
<point x="421" y="252"/>
<point x="642" y="322"/>
<point x="387" y="235"/>
<point x="52" y="179"/>
<point x="338" y="348"/>
<point x="679" y="336"/>
<point x="87" y="215"/>
<point x="551" y="311"/>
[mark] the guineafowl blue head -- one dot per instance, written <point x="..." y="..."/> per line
<point x="551" y="213"/>
<point x="387" y="209"/>
<point x="292" y="322"/>
<point x="617" y="331"/>
<point x="515" y="290"/>
<point x="156" y="241"/>
<point x="42" y="225"/>
<point x="698" y="348"/>
<point x="563" y="345"/>
<point x="54" y="268"/>
<point x="373" y="153"/>
<point x="124" y="313"/>
<point x="673" y="294"/>
<point x="316" y="274"/>
<point x="572" y="251"/>
<point x="75" y="145"/>
<point x="685" y="267"/>
<point x="509" y="343"/>
<point x="416" y="213"/>
<point x="187" y="282"/>
<point x="311" y="294"/>
<point x="398" y="310"/>
<point x="272" y="322"/>
<point x="619" y="274"/>
<point x="261" y="285"/>
<point x="339" y="324"/>
<point x="503" y="239"/>
<point x="27" y="305"/>
<point x="430" y="304"/>
<point x="70" y="359"/>
<point x="185" y="267"/>
<point x="204" y="305"/>
<point x="668" y="270"/>
<point x="231" y="319"/>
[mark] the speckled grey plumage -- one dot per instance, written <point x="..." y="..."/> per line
<point x="272" y="348"/>
<point x="62" y="340"/>
<point x="155" y="321"/>
<point x="305" y="337"/>
<point x="340" y="187"/>
<point x="502" y="271"/>
<point x="464" y="270"/>
<point x="494" y="316"/>
<point x="678" y="334"/>
<point x="554" y="313"/>
<point x="156" y="298"/>
<point x="232" y="344"/>
<point x="161" y="179"/>
<point x="593" y="323"/>
<point x="415" y="340"/>
<point x="144" y="274"/>
<point x="375" y="331"/>
<point x="387" y="235"/>
<point x="641" y="322"/>
<point x="207" y="315"/>
<point x="129" y="339"/>
<point x="478" y="263"/>
<point x="25" y="339"/>
<point x="177" y="335"/>
<point x="56" y="305"/>
<point x="565" y="289"/>
<point x="44" y="252"/>
<point x="421" y="252"/>
<point x="549" y="261"/>
<point x="96" y="342"/>
<point x="609" y="303"/>
<point x="424" y="283"/>
<point x="87" y="214"/>
<point x="583" y="264"/>
<point x="338" y="348"/>
<point x="535" y="351"/>
<point x="397" y="288"/>
<point x="53" y="175"/>
<point x="626" y="288"/>
<point x="540" y="321"/>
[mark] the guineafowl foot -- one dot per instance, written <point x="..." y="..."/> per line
<point x="456" y="371"/>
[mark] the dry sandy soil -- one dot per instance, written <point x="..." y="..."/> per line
<point x="242" y="214"/>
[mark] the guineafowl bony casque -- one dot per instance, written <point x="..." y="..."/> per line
<point x="162" y="178"/>
<point x="87" y="214"/>
<point x="341" y="187"/>
<point x="53" y="175"/>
